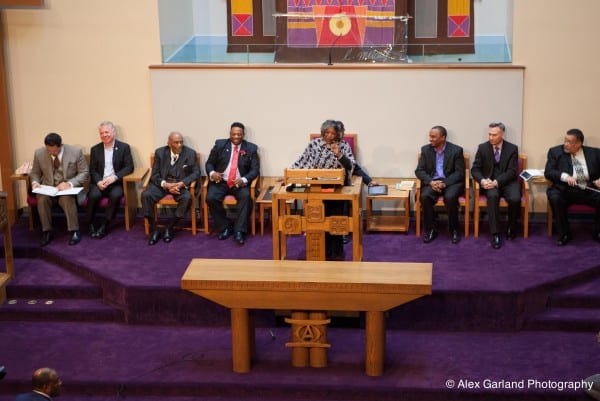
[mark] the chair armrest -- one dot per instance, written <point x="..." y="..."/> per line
<point x="467" y="180"/>
<point x="146" y="181"/>
<point x="138" y="174"/>
<point x="21" y="177"/>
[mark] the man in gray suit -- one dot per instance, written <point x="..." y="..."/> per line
<point x="63" y="167"/>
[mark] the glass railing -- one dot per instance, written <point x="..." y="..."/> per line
<point x="215" y="50"/>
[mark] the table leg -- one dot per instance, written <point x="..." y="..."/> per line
<point x="374" y="343"/>
<point x="240" y="340"/>
<point x="299" y="354"/>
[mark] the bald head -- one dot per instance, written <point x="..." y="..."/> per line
<point x="46" y="380"/>
<point x="175" y="142"/>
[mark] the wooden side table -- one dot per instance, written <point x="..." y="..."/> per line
<point x="399" y="221"/>
<point x="8" y="251"/>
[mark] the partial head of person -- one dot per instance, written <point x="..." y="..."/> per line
<point x="46" y="380"/>
<point x="107" y="132"/>
<point x="437" y="136"/>
<point x="573" y="141"/>
<point x="237" y="132"/>
<point x="53" y="143"/>
<point x="496" y="133"/>
<point x="332" y="131"/>
<point x="175" y="142"/>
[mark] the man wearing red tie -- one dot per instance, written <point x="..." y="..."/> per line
<point x="231" y="166"/>
<point x="496" y="169"/>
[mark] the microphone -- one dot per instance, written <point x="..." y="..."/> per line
<point x="331" y="48"/>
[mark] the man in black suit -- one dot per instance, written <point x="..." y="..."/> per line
<point x="574" y="170"/>
<point x="174" y="170"/>
<point x="496" y="169"/>
<point x="441" y="170"/>
<point x="110" y="161"/>
<point x="46" y="384"/>
<point x="231" y="166"/>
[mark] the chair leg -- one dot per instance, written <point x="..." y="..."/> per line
<point x="476" y="222"/>
<point x="205" y="212"/>
<point x="261" y="218"/>
<point x="193" y="211"/>
<point x="525" y="223"/>
<point x="549" y="219"/>
<point x="418" y="219"/>
<point x="466" y="222"/>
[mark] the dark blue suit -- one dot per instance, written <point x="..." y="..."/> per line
<point x="561" y="195"/>
<point x="248" y="167"/>
<point x="186" y="169"/>
<point x="505" y="172"/>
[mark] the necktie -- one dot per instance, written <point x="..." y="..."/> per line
<point x="579" y="174"/>
<point x="497" y="153"/>
<point x="174" y="159"/>
<point x="56" y="163"/>
<point x="233" y="167"/>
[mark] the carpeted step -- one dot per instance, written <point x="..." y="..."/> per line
<point x="566" y="319"/>
<point x="584" y="295"/>
<point x="45" y="309"/>
<point x="38" y="278"/>
<point x="104" y="361"/>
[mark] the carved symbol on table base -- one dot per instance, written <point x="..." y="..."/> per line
<point x="291" y="224"/>
<point x="307" y="333"/>
<point x="315" y="212"/>
<point x="338" y="225"/>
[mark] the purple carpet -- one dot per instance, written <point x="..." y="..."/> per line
<point x="110" y="317"/>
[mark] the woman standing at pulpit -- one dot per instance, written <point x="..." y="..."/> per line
<point x="330" y="151"/>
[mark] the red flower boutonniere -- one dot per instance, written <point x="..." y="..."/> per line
<point x="242" y="153"/>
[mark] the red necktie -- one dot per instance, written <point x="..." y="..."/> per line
<point x="233" y="167"/>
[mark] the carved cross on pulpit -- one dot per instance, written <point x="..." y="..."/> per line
<point x="6" y="151"/>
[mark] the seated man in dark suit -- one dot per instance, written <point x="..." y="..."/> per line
<point x="110" y="161"/>
<point x="63" y="167"/>
<point x="174" y="170"/>
<point x="574" y="170"/>
<point x="46" y="384"/>
<point x="496" y="168"/>
<point x="441" y="169"/>
<point x="231" y="166"/>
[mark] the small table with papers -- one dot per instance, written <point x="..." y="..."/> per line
<point x="399" y="219"/>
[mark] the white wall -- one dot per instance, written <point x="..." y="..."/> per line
<point x="391" y="109"/>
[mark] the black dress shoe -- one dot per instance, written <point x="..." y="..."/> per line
<point x="345" y="239"/>
<point x="563" y="240"/>
<point x="239" y="237"/>
<point x="102" y="231"/>
<point x="46" y="238"/>
<point x="92" y="231"/>
<point x="75" y="237"/>
<point x="430" y="236"/>
<point x="496" y="244"/>
<point x="168" y="235"/>
<point x="511" y="234"/>
<point x="455" y="237"/>
<point x="154" y="237"/>
<point x="597" y="237"/>
<point x="226" y="234"/>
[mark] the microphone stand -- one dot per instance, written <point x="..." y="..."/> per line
<point x="331" y="48"/>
